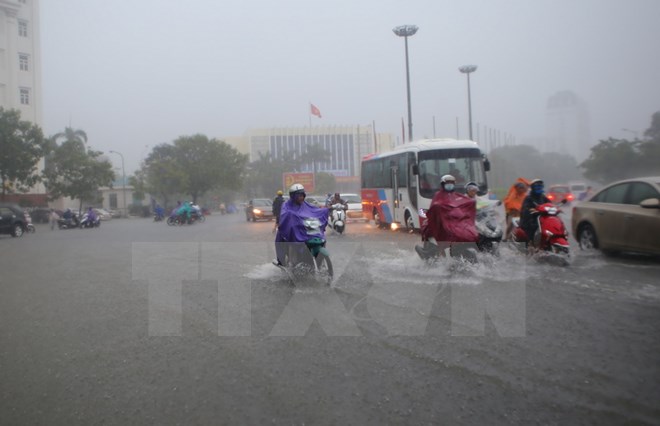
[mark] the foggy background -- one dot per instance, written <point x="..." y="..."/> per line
<point x="134" y="74"/>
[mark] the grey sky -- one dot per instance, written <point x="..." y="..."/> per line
<point x="136" y="73"/>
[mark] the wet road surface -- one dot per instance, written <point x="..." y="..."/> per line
<point x="93" y="329"/>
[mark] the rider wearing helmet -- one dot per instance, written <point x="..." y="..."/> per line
<point x="336" y="199"/>
<point x="528" y="212"/>
<point x="277" y="208"/>
<point x="450" y="219"/>
<point x="291" y="223"/>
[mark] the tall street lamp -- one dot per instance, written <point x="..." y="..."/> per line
<point x="406" y="31"/>
<point x="123" y="178"/>
<point x="467" y="69"/>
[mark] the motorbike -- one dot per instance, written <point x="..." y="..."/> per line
<point x="338" y="218"/>
<point x="158" y="217"/>
<point x="30" y="228"/>
<point x="69" y="223"/>
<point x="489" y="229"/>
<point x="551" y="238"/>
<point x="86" y="222"/>
<point x="467" y="251"/>
<point x="310" y="258"/>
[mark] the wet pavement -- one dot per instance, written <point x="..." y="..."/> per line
<point x="138" y="322"/>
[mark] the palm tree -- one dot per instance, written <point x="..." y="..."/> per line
<point x="316" y="154"/>
<point x="71" y="134"/>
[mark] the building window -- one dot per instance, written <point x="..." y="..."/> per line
<point x="23" y="61"/>
<point x="22" y="28"/>
<point x="25" y="96"/>
<point x="113" y="201"/>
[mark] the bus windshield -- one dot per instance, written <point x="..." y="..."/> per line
<point x="465" y="164"/>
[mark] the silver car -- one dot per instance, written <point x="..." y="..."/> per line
<point x="623" y="216"/>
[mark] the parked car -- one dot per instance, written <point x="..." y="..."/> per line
<point x="40" y="215"/>
<point x="354" y="202"/>
<point x="13" y="220"/>
<point x="103" y="214"/>
<point x="623" y="216"/>
<point x="259" y="208"/>
<point x="317" y="200"/>
<point x="558" y="193"/>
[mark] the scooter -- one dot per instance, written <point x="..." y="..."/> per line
<point x="489" y="229"/>
<point x="86" y="222"/>
<point x="551" y="238"/>
<point x="309" y="259"/>
<point x="338" y="218"/>
<point x="68" y="223"/>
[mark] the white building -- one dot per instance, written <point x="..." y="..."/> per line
<point x="20" y="62"/>
<point x="346" y="145"/>
<point x="567" y="125"/>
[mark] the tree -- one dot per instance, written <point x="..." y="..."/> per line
<point x="314" y="154"/>
<point x="615" y="159"/>
<point x="325" y="183"/>
<point x="22" y="145"/>
<point x="70" y="134"/>
<point x="76" y="172"/>
<point x="208" y="164"/>
<point x="193" y="165"/>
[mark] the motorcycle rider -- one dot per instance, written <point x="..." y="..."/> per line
<point x="450" y="219"/>
<point x="186" y="210"/>
<point x="91" y="217"/>
<point x="528" y="212"/>
<point x="471" y="189"/>
<point x="513" y="204"/>
<point x="159" y="212"/>
<point x="277" y="208"/>
<point x="291" y="224"/>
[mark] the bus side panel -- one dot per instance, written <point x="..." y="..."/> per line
<point x="376" y="199"/>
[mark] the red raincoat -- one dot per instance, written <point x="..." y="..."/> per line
<point x="451" y="218"/>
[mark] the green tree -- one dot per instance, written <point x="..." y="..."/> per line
<point x="611" y="159"/>
<point x="208" y="164"/>
<point x="71" y="134"/>
<point x="76" y="172"/>
<point x="22" y="145"/>
<point x="324" y="183"/>
<point x="192" y="165"/>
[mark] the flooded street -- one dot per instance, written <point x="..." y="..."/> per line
<point x="140" y="322"/>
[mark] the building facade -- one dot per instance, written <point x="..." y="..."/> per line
<point x="346" y="145"/>
<point x="20" y="68"/>
<point x="567" y="125"/>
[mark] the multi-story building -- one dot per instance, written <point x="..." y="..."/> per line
<point x="346" y="145"/>
<point x="20" y="65"/>
<point x="567" y="125"/>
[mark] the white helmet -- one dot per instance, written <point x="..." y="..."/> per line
<point x="447" y="178"/>
<point x="296" y="188"/>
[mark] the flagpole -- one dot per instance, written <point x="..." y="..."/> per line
<point x="309" y="111"/>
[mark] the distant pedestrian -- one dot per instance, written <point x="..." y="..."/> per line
<point x="52" y="218"/>
<point x="277" y="209"/>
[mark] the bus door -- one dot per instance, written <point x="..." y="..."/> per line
<point x="396" y="203"/>
<point x="404" y="188"/>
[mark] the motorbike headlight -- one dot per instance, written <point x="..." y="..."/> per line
<point x="256" y="211"/>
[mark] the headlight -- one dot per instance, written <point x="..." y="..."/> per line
<point x="256" y="211"/>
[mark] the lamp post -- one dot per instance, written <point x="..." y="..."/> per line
<point x="406" y="31"/>
<point x="123" y="178"/>
<point x="467" y="69"/>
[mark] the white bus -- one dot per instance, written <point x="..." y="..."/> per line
<point x="396" y="184"/>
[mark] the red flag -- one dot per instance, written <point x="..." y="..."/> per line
<point x="315" y="111"/>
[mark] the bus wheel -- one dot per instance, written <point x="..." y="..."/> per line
<point x="410" y="224"/>
<point x="377" y="221"/>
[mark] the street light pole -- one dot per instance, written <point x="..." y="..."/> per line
<point x="123" y="178"/>
<point x="467" y="69"/>
<point x="406" y="31"/>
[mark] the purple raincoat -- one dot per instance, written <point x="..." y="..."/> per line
<point x="291" y="227"/>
